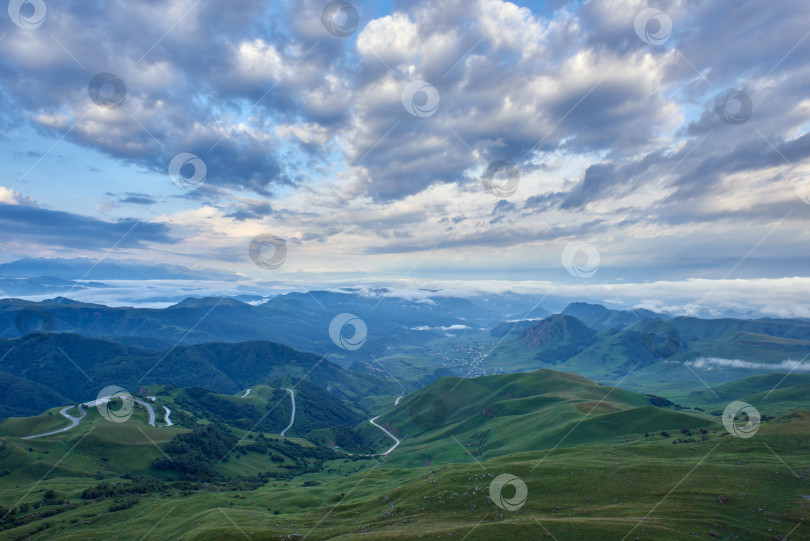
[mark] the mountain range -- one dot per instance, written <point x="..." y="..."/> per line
<point x="284" y="426"/>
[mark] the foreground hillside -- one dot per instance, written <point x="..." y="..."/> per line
<point x="598" y="463"/>
<point x="456" y="419"/>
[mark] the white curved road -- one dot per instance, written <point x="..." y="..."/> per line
<point x="292" y="417"/>
<point x="166" y="416"/>
<point x="384" y="430"/>
<point x="74" y="421"/>
<point x="149" y="409"/>
<point x="246" y="393"/>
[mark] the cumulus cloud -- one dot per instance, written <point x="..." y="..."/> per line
<point x="617" y="142"/>
<point x="13" y="197"/>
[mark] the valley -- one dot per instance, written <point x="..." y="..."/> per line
<point x="405" y="270"/>
<point x="613" y="434"/>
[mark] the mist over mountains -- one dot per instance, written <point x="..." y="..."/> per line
<point x="135" y="284"/>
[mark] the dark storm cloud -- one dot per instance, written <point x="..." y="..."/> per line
<point x="57" y="228"/>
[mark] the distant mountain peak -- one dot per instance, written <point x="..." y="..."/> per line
<point x="585" y="306"/>
<point x="599" y="317"/>
<point x="61" y="300"/>
<point x="557" y="330"/>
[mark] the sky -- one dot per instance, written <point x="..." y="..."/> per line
<point x="593" y="145"/>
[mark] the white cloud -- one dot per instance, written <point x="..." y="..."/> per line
<point x="441" y="328"/>
<point x="13" y="197"/>
<point x="787" y="365"/>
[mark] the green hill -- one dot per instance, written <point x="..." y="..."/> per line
<point x="598" y="463"/>
<point x="459" y="419"/>
<point x="753" y="385"/>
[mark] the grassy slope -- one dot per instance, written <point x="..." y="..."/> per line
<point x="574" y="494"/>
<point x="497" y="415"/>
<point x="597" y="491"/>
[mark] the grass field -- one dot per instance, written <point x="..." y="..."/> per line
<point x="597" y="463"/>
<point x="650" y="490"/>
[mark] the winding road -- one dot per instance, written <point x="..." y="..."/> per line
<point x="292" y="417"/>
<point x="384" y="430"/>
<point x="166" y="416"/>
<point x="74" y="421"/>
<point x="246" y="393"/>
<point x="396" y="403"/>
<point x="149" y="409"/>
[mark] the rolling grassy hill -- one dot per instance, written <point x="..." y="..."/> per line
<point x="720" y="487"/>
<point x="456" y="419"/>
